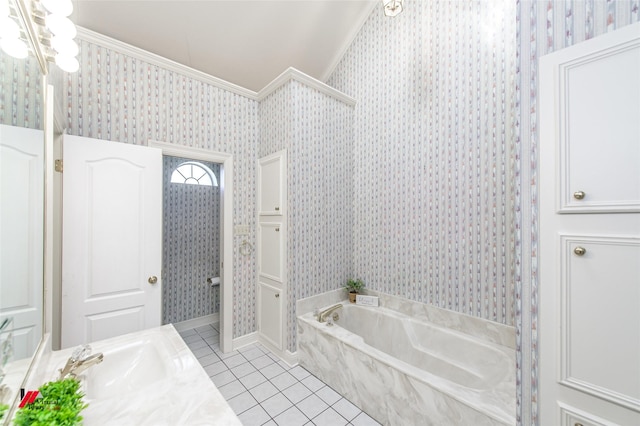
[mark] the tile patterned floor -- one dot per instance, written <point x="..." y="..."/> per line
<point x="263" y="390"/>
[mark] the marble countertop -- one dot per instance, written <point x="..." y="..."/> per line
<point x="164" y="386"/>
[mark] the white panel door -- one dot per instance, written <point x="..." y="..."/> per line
<point x="21" y="236"/>
<point x="271" y="250"/>
<point x="112" y="239"/>
<point x="589" y="251"/>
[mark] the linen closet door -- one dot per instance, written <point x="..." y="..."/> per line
<point x="271" y="252"/>
<point x="590" y="233"/>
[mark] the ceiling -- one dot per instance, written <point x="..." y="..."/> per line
<point x="245" y="42"/>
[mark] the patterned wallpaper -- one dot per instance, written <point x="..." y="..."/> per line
<point x="191" y="246"/>
<point x="20" y="92"/>
<point x="434" y="187"/>
<point x="545" y="26"/>
<point x="316" y="130"/>
<point x="120" y="98"/>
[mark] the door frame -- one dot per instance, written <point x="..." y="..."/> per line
<point x="226" y="225"/>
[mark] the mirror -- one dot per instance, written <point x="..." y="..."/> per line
<point x="21" y="219"/>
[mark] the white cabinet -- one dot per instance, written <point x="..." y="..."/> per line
<point x="590" y="232"/>
<point x="272" y="249"/>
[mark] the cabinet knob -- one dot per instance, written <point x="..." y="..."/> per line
<point x="153" y="279"/>
<point x="578" y="195"/>
<point x="277" y="209"/>
<point x="277" y="295"/>
<point x="577" y="424"/>
<point x="579" y="251"/>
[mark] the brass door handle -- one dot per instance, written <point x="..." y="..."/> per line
<point x="579" y="251"/>
<point x="153" y="279"/>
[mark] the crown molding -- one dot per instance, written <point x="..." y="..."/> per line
<point x="294" y="74"/>
<point x="364" y="17"/>
<point x="160" y="61"/>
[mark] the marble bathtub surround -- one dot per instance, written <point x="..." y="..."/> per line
<point x="147" y="378"/>
<point x="403" y="370"/>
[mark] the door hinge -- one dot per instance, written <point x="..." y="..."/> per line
<point x="58" y="166"/>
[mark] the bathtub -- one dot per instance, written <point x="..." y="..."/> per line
<point x="404" y="371"/>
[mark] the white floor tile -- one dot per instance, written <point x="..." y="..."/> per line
<point x="242" y="402"/>
<point x="328" y="395"/>
<point x="329" y="417"/>
<point x="291" y="417"/>
<point x="243" y="370"/>
<point x="215" y="368"/>
<point x="223" y="378"/>
<point x="263" y="391"/>
<point x="262" y="361"/>
<point x="312" y="383"/>
<point x="346" y="409"/>
<point x="197" y="345"/>
<point x="284" y="381"/>
<point x="299" y="372"/>
<point x="234" y="361"/>
<point x="204" y="351"/>
<point x="208" y="359"/>
<point x="363" y="420"/>
<point x="232" y="389"/>
<point x="252" y="353"/>
<point x="255" y="416"/>
<point x="312" y="406"/>
<point x="297" y="393"/>
<point x="272" y="370"/>
<point x="253" y="379"/>
<point x="276" y="404"/>
<point x="192" y="338"/>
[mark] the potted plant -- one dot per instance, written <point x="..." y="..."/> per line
<point x="353" y="287"/>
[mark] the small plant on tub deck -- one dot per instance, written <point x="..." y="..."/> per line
<point x="60" y="404"/>
<point x="354" y="286"/>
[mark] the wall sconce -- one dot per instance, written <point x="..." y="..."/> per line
<point x="392" y="7"/>
<point x="43" y="27"/>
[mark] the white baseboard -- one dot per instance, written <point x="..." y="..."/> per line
<point x="290" y="358"/>
<point x="197" y="322"/>
<point x="247" y="339"/>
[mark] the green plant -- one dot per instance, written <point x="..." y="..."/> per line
<point x="59" y="403"/>
<point x="354" y="285"/>
<point x="3" y="409"/>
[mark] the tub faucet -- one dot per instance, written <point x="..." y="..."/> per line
<point x="325" y="313"/>
<point x="79" y="361"/>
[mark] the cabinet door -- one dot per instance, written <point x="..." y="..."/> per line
<point x="270" y="314"/>
<point x="270" y="250"/>
<point x="271" y="188"/>
<point x="599" y="130"/>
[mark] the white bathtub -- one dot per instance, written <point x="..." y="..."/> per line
<point x="403" y="371"/>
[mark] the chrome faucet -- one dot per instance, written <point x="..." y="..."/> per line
<point x="79" y="361"/>
<point x="322" y="316"/>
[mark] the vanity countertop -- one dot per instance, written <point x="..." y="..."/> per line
<point x="147" y="378"/>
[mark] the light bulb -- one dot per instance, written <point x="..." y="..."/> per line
<point x="64" y="46"/>
<point x="61" y="26"/>
<point x="9" y="28"/>
<point x="58" y="7"/>
<point x="14" y="47"/>
<point x="67" y="63"/>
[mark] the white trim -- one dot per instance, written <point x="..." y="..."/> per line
<point x="226" y="228"/>
<point x="349" y="40"/>
<point x="246" y="340"/>
<point x="293" y="74"/>
<point x="197" y="322"/>
<point x="49" y="194"/>
<point x="290" y="358"/>
<point x="161" y="61"/>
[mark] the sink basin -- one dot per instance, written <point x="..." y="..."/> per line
<point x="125" y="369"/>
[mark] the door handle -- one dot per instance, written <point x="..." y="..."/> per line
<point x="153" y="279"/>
<point x="579" y="251"/>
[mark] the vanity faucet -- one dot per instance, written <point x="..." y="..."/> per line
<point x="79" y="361"/>
<point x="324" y="314"/>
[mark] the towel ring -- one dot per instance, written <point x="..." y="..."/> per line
<point x="245" y="248"/>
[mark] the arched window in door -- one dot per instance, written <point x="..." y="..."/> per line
<point x="194" y="173"/>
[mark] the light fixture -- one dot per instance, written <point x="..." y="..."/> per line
<point x="392" y="7"/>
<point x="43" y="27"/>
